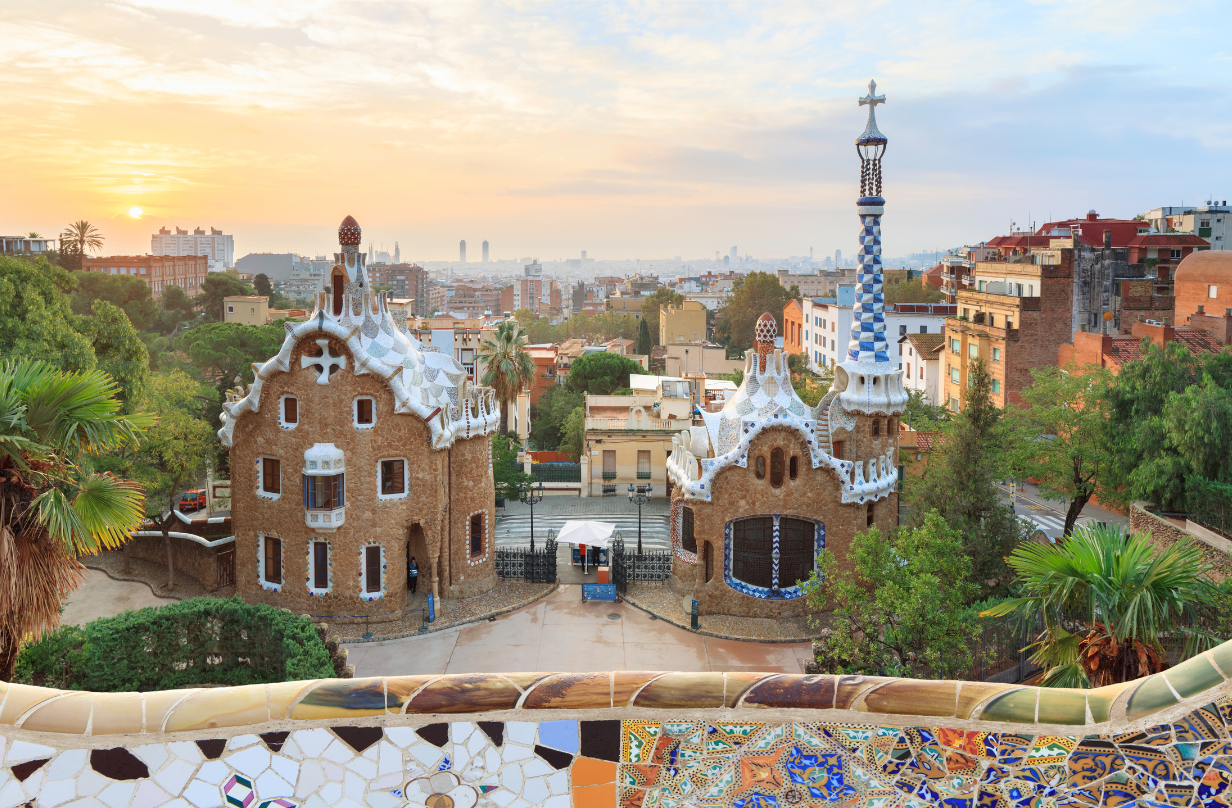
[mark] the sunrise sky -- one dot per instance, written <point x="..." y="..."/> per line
<point x="625" y="129"/>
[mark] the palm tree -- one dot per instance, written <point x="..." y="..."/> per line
<point x="53" y="508"/>
<point x="1105" y="597"/>
<point x="80" y="237"/>
<point x="509" y="368"/>
<point x="33" y="234"/>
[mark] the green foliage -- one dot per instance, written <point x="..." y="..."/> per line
<point x="899" y="609"/>
<point x="508" y="367"/>
<point x="507" y="474"/>
<point x="810" y="387"/>
<point x="750" y="297"/>
<point x="1168" y="425"/>
<point x="192" y="642"/>
<point x="223" y="353"/>
<point x="118" y="350"/>
<point x="650" y="312"/>
<point x="524" y="317"/>
<point x="574" y="438"/>
<point x="130" y="293"/>
<point x="261" y="283"/>
<point x="898" y="289"/>
<point x="961" y="484"/>
<point x="1119" y="588"/>
<point x="36" y="321"/>
<point x="176" y="303"/>
<point x="215" y="287"/>
<point x="644" y="343"/>
<point x="549" y="415"/>
<point x="922" y="416"/>
<point x="602" y="373"/>
<point x="1058" y="436"/>
<point x="597" y="329"/>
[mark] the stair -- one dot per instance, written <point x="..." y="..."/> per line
<point x="514" y="531"/>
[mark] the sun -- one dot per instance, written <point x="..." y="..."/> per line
<point x="135" y="212"/>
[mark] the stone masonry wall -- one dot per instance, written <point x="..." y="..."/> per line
<point x="190" y="558"/>
<point x="626" y="740"/>
<point x="1164" y="534"/>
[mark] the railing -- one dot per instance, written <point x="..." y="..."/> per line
<point x="557" y="472"/>
<point x="609" y="475"/>
<point x="628" y="566"/>
<point x="622" y="401"/>
<point x="608" y="424"/>
<point x="643" y="475"/>
<point x="527" y="565"/>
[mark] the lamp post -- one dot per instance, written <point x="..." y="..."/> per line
<point x="641" y="497"/>
<point x="531" y="496"/>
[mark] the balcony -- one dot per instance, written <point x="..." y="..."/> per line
<point x="652" y="424"/>
<point x="609" y="475"/>
<point x="325" y="521"/>
<point x="643" y="475"/>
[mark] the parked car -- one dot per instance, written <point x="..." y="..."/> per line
<point x="193" y="500"/>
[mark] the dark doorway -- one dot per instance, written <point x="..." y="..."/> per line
<point x="337" y="282"/>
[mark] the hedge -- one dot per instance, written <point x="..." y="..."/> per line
<point x="202" y="641"/>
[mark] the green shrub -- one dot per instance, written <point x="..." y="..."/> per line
<point x="193" y="642"/>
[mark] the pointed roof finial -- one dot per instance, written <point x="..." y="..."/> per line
<point x="871" y="134"/>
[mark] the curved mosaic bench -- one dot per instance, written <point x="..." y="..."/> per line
<point x="627" y="739"/>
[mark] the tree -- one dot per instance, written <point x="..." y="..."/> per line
<point x="750" y="297"/>
<point x="524" y="317"/>
<point x="900" y="609"/>
<point x="574" y="434"/>
<point x="602" y="373"/>
<point x="644" y="344"/>
<point x="650" y="312"/>
<point x="53" y="508"/>
<point x="177" y="307"/>
<point x="550" y="413"/>
<point x="922" y="416"/>
<point x="36" y="321"/>
<point x="961" y="484"/>
<point x="1058" y="437"/>
<point x="900" y="290"/>
<point x="215" y="287"/>
<point x="130" y="293"/>
<point x="1122" y="591"/>
<point x="118" y="350"/>
<point x="507" y="473"/>
<point x="76" y="240"/>
<point x="509" y="368"/>
<point x="223" y="353"/>
<point x="261" y="283"/>
<point x="174" y="454"/>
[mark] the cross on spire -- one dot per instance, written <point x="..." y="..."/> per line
<point x="872" y="99"/>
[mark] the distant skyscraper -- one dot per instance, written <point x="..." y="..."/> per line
<point x="810" y="251"/>
<point x="838" y="259"/>
<point x="462" y="251"/>
<point x="735" y="256"/>
<point x="583" y="255"/>
<point x="485" y="251"/>
<point x="397" y="254"/>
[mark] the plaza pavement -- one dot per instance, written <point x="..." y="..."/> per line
<point x="101" y="596"/>
<point x="562" y="634"/>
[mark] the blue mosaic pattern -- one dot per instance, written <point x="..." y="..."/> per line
<point x="868" y="340"/>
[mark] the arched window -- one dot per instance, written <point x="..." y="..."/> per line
<point x="776" y="467"/>
<point x="753" y="550"/>
<point x="337" y="290"/>
<point x="795" y="551"/>
<point x="688" y="542"/>
<point x="876" y="427"/>
<point x="759" y="467"/>
<point x="793" y="467"/>
<point x="709" y="556"/>
<point x="869" y="517"/>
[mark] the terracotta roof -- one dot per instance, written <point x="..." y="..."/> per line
<point x="1127" y="349"/>
<point x="927" y="441"/>
<point x="1168" y="240"/>
<point x="925" y="343"/>
<point x="1207" y="266"/>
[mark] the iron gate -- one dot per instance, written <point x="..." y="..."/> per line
<point x="224" y="562"/>
<point x="527" y="565"/>
<point x="628" y="567"/>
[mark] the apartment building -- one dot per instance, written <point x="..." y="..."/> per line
<point x="158" y="271"/>
<point x="921" y="355"/>
<point x="814" y="284"/>
<point x="683" y="323"/>
<point x="405" y="282"/>
<point x="1015" y="319"/>
<point x="1112" y="351"/>
<point x="1209" y="222"/>
<point x="826" y="325"/>
<point x="246" y="309"/>
<point x="629" y="438"/>
<point x="215" y="245"/>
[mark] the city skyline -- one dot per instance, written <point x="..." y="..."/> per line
<point x="628" y="132"/>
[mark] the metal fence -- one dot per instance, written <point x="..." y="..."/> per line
<point x="557" y="472"/>
<point x="528" y="565"/>
<point x="628" y="566"/>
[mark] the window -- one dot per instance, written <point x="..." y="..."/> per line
<point x="365" y="412"/>
<point x="996" y="385"/>
<point x="752" y="551"/>
<point x="324" y="493"/>
<point x="290" y="411"/>
<point x="688" y="541"/>
<point x="955" y="346"/>
<point x="954" y="375"/>
<point x="393" y="477"/>
<point x="996" y="354"/>
<point x="609" y="464"/>
<point x="372" y="569"/>
<point x="868" y="516"/>
<point x="973" y="351"/>
<point x="271" y="569"/>
<point x="643" y="464"/>
<point x="983" y="286"/>
<point x="823" y="322"/>
<point x="1176" y="254"/>
<point x="230" y="309"/>
<point x="875" y="427"/>
<point x="793" y="467"/>
<point x="923" y="329"/>
<point x="797" y="550"/>
<point x="320" y="564"/>
<point x="776" y="467"/>
<point x="1212" y="291"/>
<point x="992" y="318"/>
<point x="953" y="404"/>
<point x="1009" y="324"/>
<point x="908" y="370"/>
<point x="921" y="370"/>
<point x="1030" y="290"/>
<point x="838" y="450"/>
<point x="477" y="524"/>
<point x="902" y="330"/>
<point x="759" y="467"/>
<point x="271" y="475"/>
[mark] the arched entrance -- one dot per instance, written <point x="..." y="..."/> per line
<point x="417" y="548"/>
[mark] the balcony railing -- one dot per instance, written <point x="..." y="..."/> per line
<point x="609" y="475"/>
<point x="656" y="424"/>
<point x="643" y="475"/>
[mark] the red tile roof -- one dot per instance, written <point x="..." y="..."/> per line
<point x="1127" y="349"/>
<point x="925" y="343"/>
<point x="927" y="441"/>
<point x="1169" y="240"/>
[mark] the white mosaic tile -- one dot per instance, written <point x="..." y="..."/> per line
<point x="57" y="792"/>
<point x="12" y="795"/>
<point x="22" y="750"/>
<point x="153" y="755"/>
<point x="311" y="777"/>
<point x="175" y="775"/>
<point x="117" y="795"/>
<point x="250" y="762"/>
<point x="312" y="742"/>
<point x="213" y="772"/>
<point x="338" y="752"/>
<point x="240" y="741"/>
<point x="402" y="737"/>
<point x="285" y="768"/>
<point x="67" y="764"/>
<point x="149" y="795"/>
<point x="202" y="794"/>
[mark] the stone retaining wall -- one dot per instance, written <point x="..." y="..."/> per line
<point x="191" y="558"/>
<point x="627" y="739"/>
<point x="1164" y="534"/>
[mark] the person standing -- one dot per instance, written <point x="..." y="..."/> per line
<point x="412" y="574"/>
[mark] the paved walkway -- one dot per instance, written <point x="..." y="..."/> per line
<point x="100" y="596"/>
<point x="563" y="634"/>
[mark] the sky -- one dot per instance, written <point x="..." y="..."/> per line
<point x="630" y="130"/>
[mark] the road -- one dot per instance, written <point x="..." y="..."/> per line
<point x="1049" y="515"/>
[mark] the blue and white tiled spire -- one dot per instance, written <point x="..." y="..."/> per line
<point x="868" y="339"/>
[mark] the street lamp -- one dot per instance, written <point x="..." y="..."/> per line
<point x="531" y="496"/>
<point x="641" y="497"/>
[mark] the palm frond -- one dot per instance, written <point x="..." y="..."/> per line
<point x="99" y="512"/>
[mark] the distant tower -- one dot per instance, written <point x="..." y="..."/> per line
<point x="371" y="253"/>
<point x="397" y="254"/>
<point x="583" y="255"/>
<point x="838" y="259"/>
<point x="485" y="251"/>
<point x="810" y="252"/>
<point x="735" y="256"/>
<point x="462" y="251"/>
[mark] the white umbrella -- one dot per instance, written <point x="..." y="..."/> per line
<point x="591" y="534"/>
